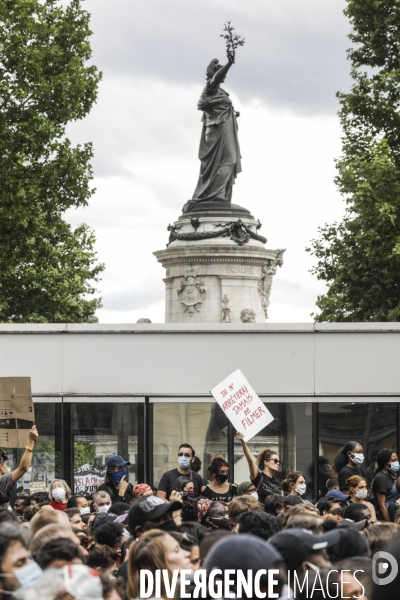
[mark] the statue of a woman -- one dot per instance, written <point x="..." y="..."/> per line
<point x="219" y="146"/>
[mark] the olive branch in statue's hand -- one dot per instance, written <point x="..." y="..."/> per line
<point x="232" y="40"/>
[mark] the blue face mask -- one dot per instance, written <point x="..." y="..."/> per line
<point x="29" y="574"/>
<point x="118" y="475"/>
<point x="394" y="466"/>
<point x="183" y="462"/>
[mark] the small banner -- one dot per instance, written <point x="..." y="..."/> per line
<point x="16" y="411"/>
<point x="241" y="405"/>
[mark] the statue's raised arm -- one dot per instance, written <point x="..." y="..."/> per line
<point x="219" y="151"/>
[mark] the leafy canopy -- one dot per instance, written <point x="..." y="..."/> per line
<point x="47" y="268"/>
<point x="359" y="258"/>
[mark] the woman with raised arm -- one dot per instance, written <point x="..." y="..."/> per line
<point x="262" y="474"/>
<point x="219" y="146"/>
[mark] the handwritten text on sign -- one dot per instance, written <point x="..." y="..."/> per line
<point x="241" y="405"/>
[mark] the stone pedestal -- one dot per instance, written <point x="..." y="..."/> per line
<point x="217" y="268"/>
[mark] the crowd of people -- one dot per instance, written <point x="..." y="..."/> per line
<point x="59" y="545"/>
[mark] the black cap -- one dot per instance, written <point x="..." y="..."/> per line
<point x="292" y="500"/>
<point x="149" y="508"/>
<point x="243" y="551"/>
<point x="116" y="461"/>
<point x="296" y="544"/>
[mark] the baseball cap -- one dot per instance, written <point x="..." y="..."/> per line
<point x="116" y="461"/>
<point x="296" y="544"/>
<point x="149" y="508"/>
<point x="243" y="551"/>
<point x="336" y="494"/>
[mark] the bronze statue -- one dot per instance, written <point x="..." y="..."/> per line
<point x="219" y="146"/>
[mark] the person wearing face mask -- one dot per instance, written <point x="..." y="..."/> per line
<point x="384" y="491"/>
<point x="185" y="458"/>
<point x="347" y="463"/>
<point x="212" y="514"/>
<point x="358" y="494"/>
<point x="219" y="489"/>
<point x="184" y="486"/>
<point x="115" y="482"/>
<point x="60" y="493"/>
<point x="295" y="483"/>
<point x="101" y="502"/>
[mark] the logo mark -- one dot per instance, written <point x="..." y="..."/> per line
<point x="384" y="568"/>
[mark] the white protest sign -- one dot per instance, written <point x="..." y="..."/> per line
<point x="241" y="405"/>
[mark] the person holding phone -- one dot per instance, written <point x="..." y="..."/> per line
<point x="8" y="479"/>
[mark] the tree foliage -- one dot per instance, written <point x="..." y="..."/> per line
<point x="359" y="258"/>
<point x="47" y="269"/>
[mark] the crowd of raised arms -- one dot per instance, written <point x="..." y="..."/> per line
<point x="56" y="545"/>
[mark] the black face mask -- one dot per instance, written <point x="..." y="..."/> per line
<point x="168" y="526"/>
<point x="222" y="478"/>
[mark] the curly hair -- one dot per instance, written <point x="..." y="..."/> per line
<point x="109" y="533"/>
<point x="216" y="463"/>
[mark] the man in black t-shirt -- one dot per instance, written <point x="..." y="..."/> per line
<point x="185" y="457"/>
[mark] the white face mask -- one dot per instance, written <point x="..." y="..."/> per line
<point x="58" y="493"/>
<point x="254" y="495"/>
<point x="85" y="511"/>
<point x="361" y="495"/>
<point x="357" y="459"/>
<point x="301" y="489"/>
<point x="104" y="508"/>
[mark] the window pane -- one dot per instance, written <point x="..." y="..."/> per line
<point x="289" y="434"/>
<point x="373" y="425"/>
<point x="200" y="424"/>
<point x="99" y="431"/>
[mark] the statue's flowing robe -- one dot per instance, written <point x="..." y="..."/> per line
<point x="219" y="147"/>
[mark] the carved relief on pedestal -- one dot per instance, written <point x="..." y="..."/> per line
<point x="248" y="315"/>
<point x="226" y="311"/>
<point x="265" y="283"/>
<point x="191" y="293"/>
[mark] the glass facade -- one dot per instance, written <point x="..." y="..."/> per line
<point x="78" y="435"/>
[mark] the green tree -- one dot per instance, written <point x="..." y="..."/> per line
<point x="47" y="268"/>
<point x="84" y="452"/>
<point x="359" y="258"/>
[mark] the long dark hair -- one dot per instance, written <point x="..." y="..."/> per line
<point x="383" y="458"/>
<point x="341" y="459"/>
<point x="216" y="463"/>
<point x="180" y="483"/>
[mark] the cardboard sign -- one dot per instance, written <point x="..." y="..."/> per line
<point x="16" y="411"/>
<point x="241" y="405"/>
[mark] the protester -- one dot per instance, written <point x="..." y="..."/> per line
<point x="246" y="487"/>
<point x="296" y="484"/>
<point x="47" y="516"/>
<point x="273" y="504"/>
<point x="332" y="484"/>
<point x="114" y="484"/>
<point x="60" y="492"/>
<point x="20" y="504"/>
<point x="155" y="550"/>
<point x="150" y="512"/>
<point x="189" y="543"/>
<point x="290" y="501"/>
<point x="71" y="582"/>
<point x="379" y="536"/>
<point x="394" y="507"/>
<point x="241" y="505"/>
<point x="142" y="489"/>
<point x="347" y="463"/>
<point x="52" y="532"/>
<point x="302" y="550"/>
<point x="358" y="494"/>
<point x="184" y="486"/>
<point x="384" y="484"/>
<point x="75" y="518"/>
<point x="39" y="499"/>
<point x="257" y="523"/>
<point x="195" y="530"/>
<point x="326" y="505"/>
<point x="101" y="501"/>
<point x="185" y="458"/>
<point x="14" y="554"/>
<point x="219" y="489"/>
<point x="7" y="480"/>
<point x="79" y="501"/>
<point x="213" y="514"/>
<point x="102" y="559"/>
<point x="262" y="474"/>
<point x="59" y="553"/>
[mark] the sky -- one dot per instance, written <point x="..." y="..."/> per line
<point x="145" y="129"/>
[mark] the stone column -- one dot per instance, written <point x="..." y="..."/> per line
<point x="218" y="269"/>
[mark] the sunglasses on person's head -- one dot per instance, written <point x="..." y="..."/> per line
<point x="276" y="461"/>
<point x="184" y="454"/>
